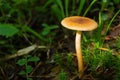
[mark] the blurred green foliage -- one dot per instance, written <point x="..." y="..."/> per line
<point x="26" y="22"/>
<point x="7" y="30"/>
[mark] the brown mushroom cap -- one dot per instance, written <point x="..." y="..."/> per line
<point x="79" y="23"/>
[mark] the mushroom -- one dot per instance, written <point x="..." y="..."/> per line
<point x="79" y="24"/>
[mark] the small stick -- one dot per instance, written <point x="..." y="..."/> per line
<point x="21" y="52"/>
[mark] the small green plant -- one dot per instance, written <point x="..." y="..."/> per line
<point x="96" y="57"/>
<point x="25" y="62"/>
<point x="49" y="31"/>
<point x="46" y="32"/>
<point x="62" y="75"/>
<point x="117" y="65"/>
<point x="48" y="28"/>
<point x="59" y="59"/>
<point x="65" y="61"/>
<point x="69" y="62"/>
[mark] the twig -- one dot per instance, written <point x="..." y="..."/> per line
<point x="2" y="72"/>
<point x="38" y="65"/>
<point x="21" y="52"/>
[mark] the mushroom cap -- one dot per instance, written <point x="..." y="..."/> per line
<point x="79" y="23"/>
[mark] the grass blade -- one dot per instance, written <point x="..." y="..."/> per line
<point x="82" y="2"/>
<point x="108" y="27"/>
<point x="89" y="7"/>
<point x="59" y="3"/>
<point x="66" y="7"/>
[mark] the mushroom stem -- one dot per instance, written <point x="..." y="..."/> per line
<point x="78" y="51"/>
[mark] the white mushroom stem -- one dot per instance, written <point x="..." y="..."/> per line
<point x="78" y="51"/>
